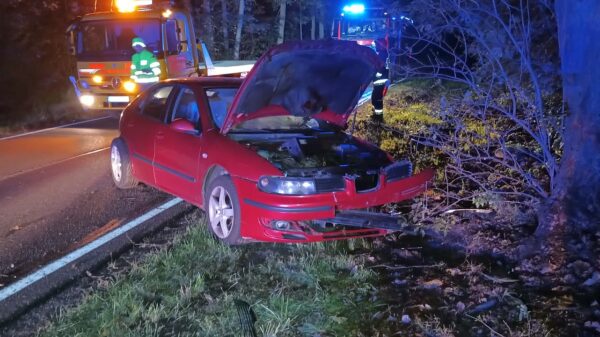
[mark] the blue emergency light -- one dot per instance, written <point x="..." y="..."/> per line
<point x="354" y="9"/>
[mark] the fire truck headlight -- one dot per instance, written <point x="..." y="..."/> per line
<point x="97" y="79"/>
<point x="167" y="13"/>
<point x="87" y="100"/>
<point x="129" y="86"/>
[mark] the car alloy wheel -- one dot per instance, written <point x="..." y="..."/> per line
<point x="115" y="163"/>
<point x="220" y="212"/>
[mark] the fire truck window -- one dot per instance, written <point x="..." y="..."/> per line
<point x="97" y="40"/>
<point x="155" y="105"/>
<point x="181" y="35"/>
<point x="172" y="40"/>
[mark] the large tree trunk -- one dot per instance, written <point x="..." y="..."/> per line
<point x="238" y="32"/>
<point x="282" y="12"/>
<point x="225" y="25"/>
<point x="574" y="212"/>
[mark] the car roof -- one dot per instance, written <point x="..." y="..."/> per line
<point x="206" y="81"/>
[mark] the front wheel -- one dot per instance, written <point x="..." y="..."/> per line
<point x="222" y="206"/>
<point x="120" y="164"/>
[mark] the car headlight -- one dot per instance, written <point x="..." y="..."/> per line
<point x="286" y="185"/>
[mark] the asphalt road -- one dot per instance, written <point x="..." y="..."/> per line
<point x="56" y="193"/>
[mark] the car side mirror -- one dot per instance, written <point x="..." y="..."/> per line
<point x="184" y="126"/>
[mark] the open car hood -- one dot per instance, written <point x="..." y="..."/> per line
<point x="318" y="79"/>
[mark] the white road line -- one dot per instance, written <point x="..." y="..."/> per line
<point x="65" y="260"/>
<point x="52" y="164"/>
<point x="54" y="128"/>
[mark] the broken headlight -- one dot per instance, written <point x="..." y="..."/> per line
<point x="286" y="185"/>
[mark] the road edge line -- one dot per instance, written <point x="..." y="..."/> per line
<point x="29" y="170"/>
<point x="52" y="267"/>
<point x="53" y="128"/>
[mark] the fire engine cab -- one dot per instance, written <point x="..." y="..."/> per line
<point x="101" y="45"/>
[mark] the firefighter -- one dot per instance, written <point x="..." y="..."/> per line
<point x="145" y="68"/>
<point x="380" y="82"/>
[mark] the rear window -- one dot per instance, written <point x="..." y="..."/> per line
<point x="219" y="102"/>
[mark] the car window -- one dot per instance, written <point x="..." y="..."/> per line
<point x="186" y="107"/>
<point x="155" y="105"/>
<point x="219" y="102"/>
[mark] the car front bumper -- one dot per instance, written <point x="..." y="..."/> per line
<point x="260" y="210"/>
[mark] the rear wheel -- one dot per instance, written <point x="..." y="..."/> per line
<point x="222" y="207"/>
<point x="120" y="164"/>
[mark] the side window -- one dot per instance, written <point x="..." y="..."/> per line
<point x="155" y="105"/>
<point x="171" y="33"/>
<point x="219" y="102"/>
<point x="186" y="107"/>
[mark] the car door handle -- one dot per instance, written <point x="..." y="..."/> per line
<point x="160" y="137"/>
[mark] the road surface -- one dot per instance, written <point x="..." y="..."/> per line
<point x="56" y="193"/>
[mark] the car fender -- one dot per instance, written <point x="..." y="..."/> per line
<point x="236" y="159"/>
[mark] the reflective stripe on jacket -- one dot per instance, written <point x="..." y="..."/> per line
<point x="145" y="68"/>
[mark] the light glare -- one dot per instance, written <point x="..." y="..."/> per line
<point x="354" y="9"/>
<point x="129" y="86"/>
<point x="87" y="100"/>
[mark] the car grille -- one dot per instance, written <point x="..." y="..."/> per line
<point x="366" y="182"/>
<point x="329" y="184"/>
<point x="398" y="170"/>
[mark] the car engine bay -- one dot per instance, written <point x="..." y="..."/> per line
<point x="314" y="153"/>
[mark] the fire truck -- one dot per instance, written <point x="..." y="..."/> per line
<point x="101" y="44"/>
<point x="370" y="25"/>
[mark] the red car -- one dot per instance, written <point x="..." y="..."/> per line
<point x="267" y="158"/>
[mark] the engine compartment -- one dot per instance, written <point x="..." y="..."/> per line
<point x="315" y="153"/>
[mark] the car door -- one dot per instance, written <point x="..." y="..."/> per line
<point x="141" y="130"/>
<point x="178" y="168"/>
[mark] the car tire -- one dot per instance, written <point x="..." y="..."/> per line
<point x="222" y="207"/>
<point x="120" y="164"/>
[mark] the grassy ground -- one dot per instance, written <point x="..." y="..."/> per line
<point x="295" y="290"/>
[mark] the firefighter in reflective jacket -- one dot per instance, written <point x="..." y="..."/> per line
<point x="145" y="68"/>
<point x="380" y="82"/>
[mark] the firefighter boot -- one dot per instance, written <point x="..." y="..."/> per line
<point x="377" y="115"/>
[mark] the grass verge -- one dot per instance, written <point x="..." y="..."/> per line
<point x="295" y="290"/>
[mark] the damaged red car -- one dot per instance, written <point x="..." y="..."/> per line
<point x="267" y="158"/>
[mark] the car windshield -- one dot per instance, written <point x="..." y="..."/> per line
<point x="219" y="102"/>
<point x="111" y="40"/>
<point x="283" y="123"/>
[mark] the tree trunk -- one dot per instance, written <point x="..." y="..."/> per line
<point x="207" y="25"/>
<point x="282" y="9"/>
<point x="238" y="32"/>
<point x="313" y="27"/>
<point x="300" y="20"/>
<point x="321" y="30"/>
<point x="575" y="207"/>
<point x="225" y="26"/>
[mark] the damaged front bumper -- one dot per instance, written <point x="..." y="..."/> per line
<point x="324" y="216"/>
